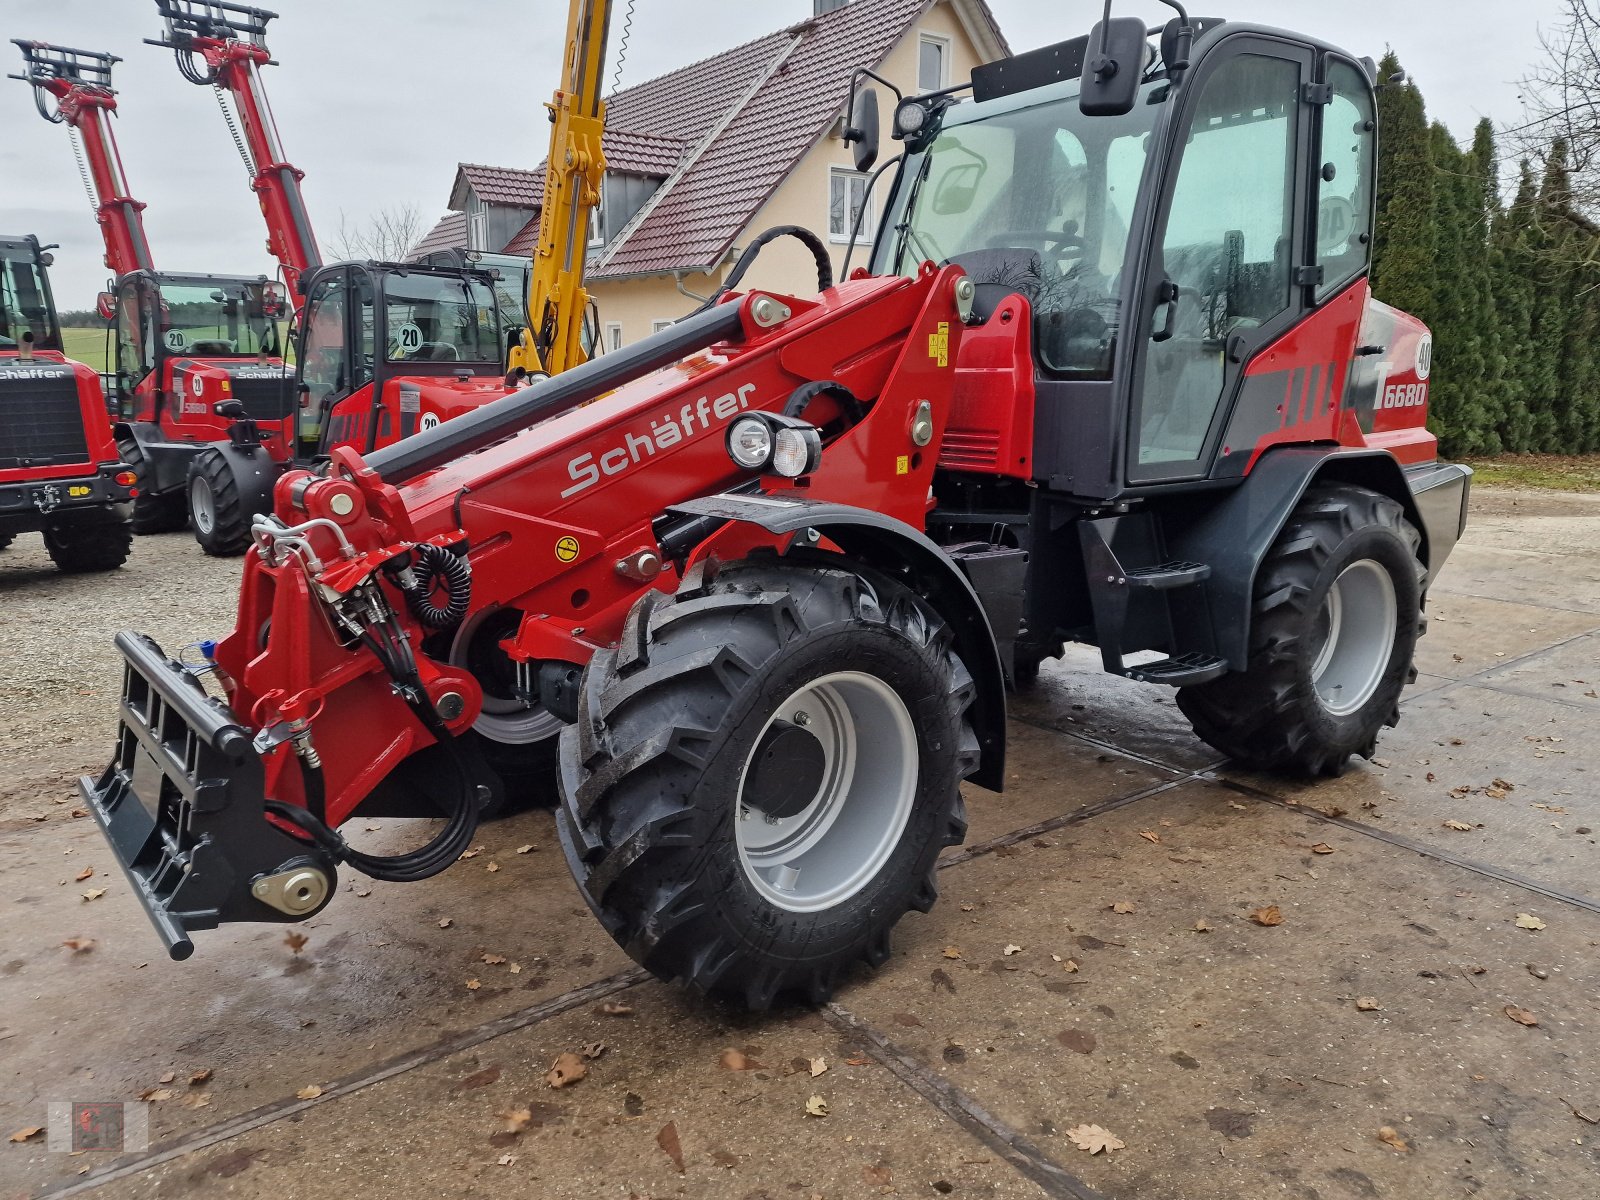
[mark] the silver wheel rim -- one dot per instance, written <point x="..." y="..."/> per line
<point x="504" y="719"/>
<point x="1357" y="625"/>
<point x="202" y="506"/>
<point x="838" y="843"/>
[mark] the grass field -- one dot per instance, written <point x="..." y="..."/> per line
<point x="1557" y="472"/>
<point x="87" y="346"/>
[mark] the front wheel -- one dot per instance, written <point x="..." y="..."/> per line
<point x="216" y="510"/>
<point x="764" y="773"/>
<point x="82" y="547"/>
<point x="1338" y="610"/>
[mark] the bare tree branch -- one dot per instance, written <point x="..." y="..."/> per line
<point x="388" y="235"/>
<point x="1561" y="102"/>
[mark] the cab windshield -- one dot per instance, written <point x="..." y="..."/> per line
<point x="25" y="301"/>
<point x="439" y="318"/>
<point x="221" y="318"/>
<point x="1037" y="200"/>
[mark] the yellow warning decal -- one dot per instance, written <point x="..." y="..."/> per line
<point x="79" y="489"/>
<point x="567" y="549"/>
<point x="939" y="344"/>
<point x="902" y="465"/>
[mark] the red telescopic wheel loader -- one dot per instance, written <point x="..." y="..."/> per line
<point x="59" y="470"/>
<point x="1114" y="375"/>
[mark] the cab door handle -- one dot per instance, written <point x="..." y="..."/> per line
<point x="1167" y="294"/>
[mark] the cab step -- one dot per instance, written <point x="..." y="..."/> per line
<point x="1188" y="670"/>
<point x="1164" y="577"/>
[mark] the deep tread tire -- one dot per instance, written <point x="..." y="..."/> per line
<point x="1270" y="717"/>
<point x="152" y="513"/>
<point x="83" y="547"/>
<point x="666" y="723"/>
<point x="229" y="534"/>
<point x="6" y="539"/>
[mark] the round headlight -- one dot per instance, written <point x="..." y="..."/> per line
<point x="909" y="119"/>
<point x="796" y="452"/>
<point x="750" y="443"/>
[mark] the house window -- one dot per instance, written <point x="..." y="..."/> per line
<point x="613" y="336"/>
<point x="597" y="232"/>
<point x="847" y="195"/>
<point x="658" y="326"/>
<point x="477" y="225"/>
<point x="933" y="63"/>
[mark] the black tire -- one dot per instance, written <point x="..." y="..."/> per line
<point x="152" y="513"/>
<point x="82" y="547"/>
<point x="1272" y="717"/>
<point x="651" y="774"/>
<point x="6" y="539"/>
<point x="216" y="511"/>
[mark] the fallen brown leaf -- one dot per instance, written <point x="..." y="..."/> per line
<point x="1202" y="926"/>
<point x="1151" y="836"/>
<point x="816" y="1106"/>
<point x="567" y="1070"/>
<point x="737" y="1060"/>
<point x="1270" y="915"/>
<point x="1122" y="908"/>
<point x="526" y="849"/>
<point x="473" y="985"/>
<point x="1367" y="1004"/>
<point x="446" y="922"/>
<point x="1529" y="921"/>
<point x="516" y="1119"/>
<point x="594" y="1050"/>
<point x="167" y="1077"/>
<point x="952" y="951"/>
<point x="86" y="873"/>
<point x="1520" y="1015"/>
<point x="1459" y="826"/>
<point x="27" y="1133"/>
<point x="1095" y="1139"/>
<point x="494" y="960"/>
<point x="1389" y="1136"/>
<point x="94" y="893"/>
<point x="155" y="1095"/>
<point x="1322" y="848"/>
<point x="616" y="1008"/>
<point x="309" y="1092"/>
<point x="818" y="1066"/>
<point x="472" y="853"/>
<point x="492" y="867"/>
<point x="78" y="945"/>
<point x="1011" y="948"/>
<point x="295" y="941"/>
<point x="667" y="1139"/>
<point x="203" y="1075"/>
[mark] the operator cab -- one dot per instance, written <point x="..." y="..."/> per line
<point x="26" y="305"/>
<point x="367" y="323"/>
<point x="1160" y="247"/>
<point x="223" y="321"/>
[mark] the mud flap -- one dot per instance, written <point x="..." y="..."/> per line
<point x="183" y="806"/>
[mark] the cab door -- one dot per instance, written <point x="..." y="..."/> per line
<point x="1227" y="271"/>
<point x="334" y="359"/>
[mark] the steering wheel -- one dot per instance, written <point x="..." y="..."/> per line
<point x="1064" y="245"/>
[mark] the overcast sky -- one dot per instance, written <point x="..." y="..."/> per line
<point x="377" y="100"/>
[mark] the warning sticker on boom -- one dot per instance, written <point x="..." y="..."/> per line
<point x="567" y="549"/>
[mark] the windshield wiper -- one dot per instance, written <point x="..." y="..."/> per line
<point x="904" y="228"/>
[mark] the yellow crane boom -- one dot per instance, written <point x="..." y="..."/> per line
<point x="558" y="303"/>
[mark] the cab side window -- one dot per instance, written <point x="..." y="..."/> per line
<point x="136" y="332"/>
<point x="1344" y="186"/>
<point x="325" y="370"/>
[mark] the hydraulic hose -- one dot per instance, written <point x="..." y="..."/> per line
<point x="811" y="241"/>
<point x="434" y="563"/>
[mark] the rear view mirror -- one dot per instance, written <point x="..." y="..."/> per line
<point x="1117" y="52"/>
<point x="864" y="128"/>
<point x="106" y="305"/>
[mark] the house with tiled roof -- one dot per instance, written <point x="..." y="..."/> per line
<point x="702" y="160"/>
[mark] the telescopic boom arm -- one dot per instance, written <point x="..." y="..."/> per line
<point x="558" y="303"/>
<point x="73" y="87"/>
<point x="222" y="44"/>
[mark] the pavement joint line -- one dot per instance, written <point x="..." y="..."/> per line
<point x="276" y="1110"/>
<point x="1582" y="612"/>
<point x="1021" y="1154"/>
<point x="1086" y="813"/>
<point x="1403" y="842"/>
<point x="1530" y="694"/>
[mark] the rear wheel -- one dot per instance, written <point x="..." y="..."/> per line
<point x="82" y="547"/>
<point x="216" y="511"/>
<point x="6" y="539"/>
<point x="152" y="513"/>
<point x="1338" y="610"/>
<point x="763" y="775"/>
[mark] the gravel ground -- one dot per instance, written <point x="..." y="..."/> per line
<point x="58" y="707"/>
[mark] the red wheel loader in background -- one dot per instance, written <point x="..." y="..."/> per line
<point x="59" y="470"/>
<point x="1115" y="376"/>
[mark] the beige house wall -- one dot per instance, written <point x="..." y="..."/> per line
<point x="802" y="199"/>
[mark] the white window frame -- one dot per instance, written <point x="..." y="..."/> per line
<point x="613" y="336"/>
<point x="477" y="225"/>
<point x="597" y="233"/>
<point x="945" y="47"/>
<point x="866" y="227"/>
<point x="658" y="325"/>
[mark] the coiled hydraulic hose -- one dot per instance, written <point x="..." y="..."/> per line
<point x="432" y="564"/>
<point x="805" y="237"/>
